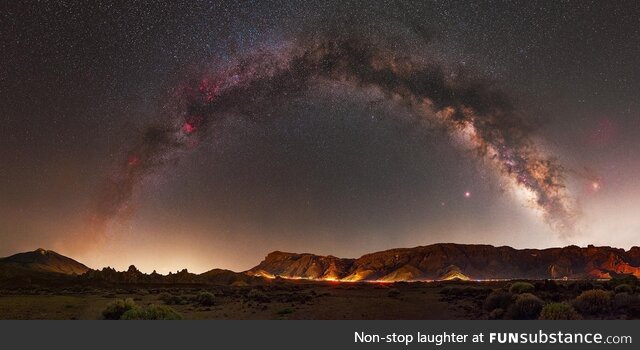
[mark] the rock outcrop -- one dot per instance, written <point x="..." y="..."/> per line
<point x="457" y="261"/>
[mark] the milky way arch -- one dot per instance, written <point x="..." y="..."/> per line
<point x="482" y="115"/>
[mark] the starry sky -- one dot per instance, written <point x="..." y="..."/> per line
<point x="108" y="115"/>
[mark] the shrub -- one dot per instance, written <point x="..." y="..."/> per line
<point x="624" y="279"/>
<point x="117" y="308"/>
<point x="152" y="312"/>
<point x="526" y="307"/>
<point x="286" y="310"/>
<point x="521" y="287"/>
<point x="624" y="288"/>
<point x="581" y="286"/>
<point x="205" y="298"/>
<point x="496" y="314"/>
<point x="559" y="311"/>
<point x="170" y="299"/>
<point x="593" y="301"/>
<point x="622" y="300"/>
<point x="304" y="297"/>
<point x="239" y="283"/>
<point x="258" y="295"/>
<point x="633" y="310"/>
<point x="498" y="299"/>
<point x="393" y="292"/>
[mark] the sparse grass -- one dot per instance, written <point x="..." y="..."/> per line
<point x="446" y="300"/>
<point x="49" y="307"/>
<point x="466" y="291"/>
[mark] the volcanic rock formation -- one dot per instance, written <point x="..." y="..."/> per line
<point x="457" y="261"/>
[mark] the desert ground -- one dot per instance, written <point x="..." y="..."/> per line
<point x="299" y="299"/>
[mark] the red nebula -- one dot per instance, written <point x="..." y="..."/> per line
<point x="208" y="89"/>
<point x="188" y="128"/>
<point x="594" y="185"/>
<point x="192" y="123"/>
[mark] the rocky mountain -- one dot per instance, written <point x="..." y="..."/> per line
<point x="434" y="262"/>
<point x="456" y="261"/>
<point x="42" y="260"/>
<point x="134" y="276"/>
<point x="302" y="266"/>
<point x="46" y="267"/>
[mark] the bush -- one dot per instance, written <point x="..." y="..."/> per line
<point x="622" y="300"/>
<point x="239" y="283"/>
<point x="176" y="300"/>
<point x="258" y="295"/>
<point x="496" y="314"/>
<point x="526" y="307"/>
<point x="205" y="298"/>
<point x="581" y="286"/>
<point x="624" y="279"/>
<point x="546" y="285"/>
<point x="521" y="287"/>
<point x="559" y="311"/>
<point x="170" y="299"/>
<point x="117" y="308"/>
<point x="593" y="301"/>
<point x="152" y="312"/>
<point x="285" y="311"/>
<point x="293" y="297"/>
<point x="633" y="310"/>
<point x="498" y="299"/>
<point x="624" y="288"/>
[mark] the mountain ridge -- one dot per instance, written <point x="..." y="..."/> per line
<point x="444" y="261"/>
<point x="45" y="261"/>
<point x="441" y="261"/>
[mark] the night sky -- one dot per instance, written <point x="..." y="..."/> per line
<point x="197" y="134"/>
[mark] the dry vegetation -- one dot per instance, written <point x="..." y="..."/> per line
<point x="279" y="299"/>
